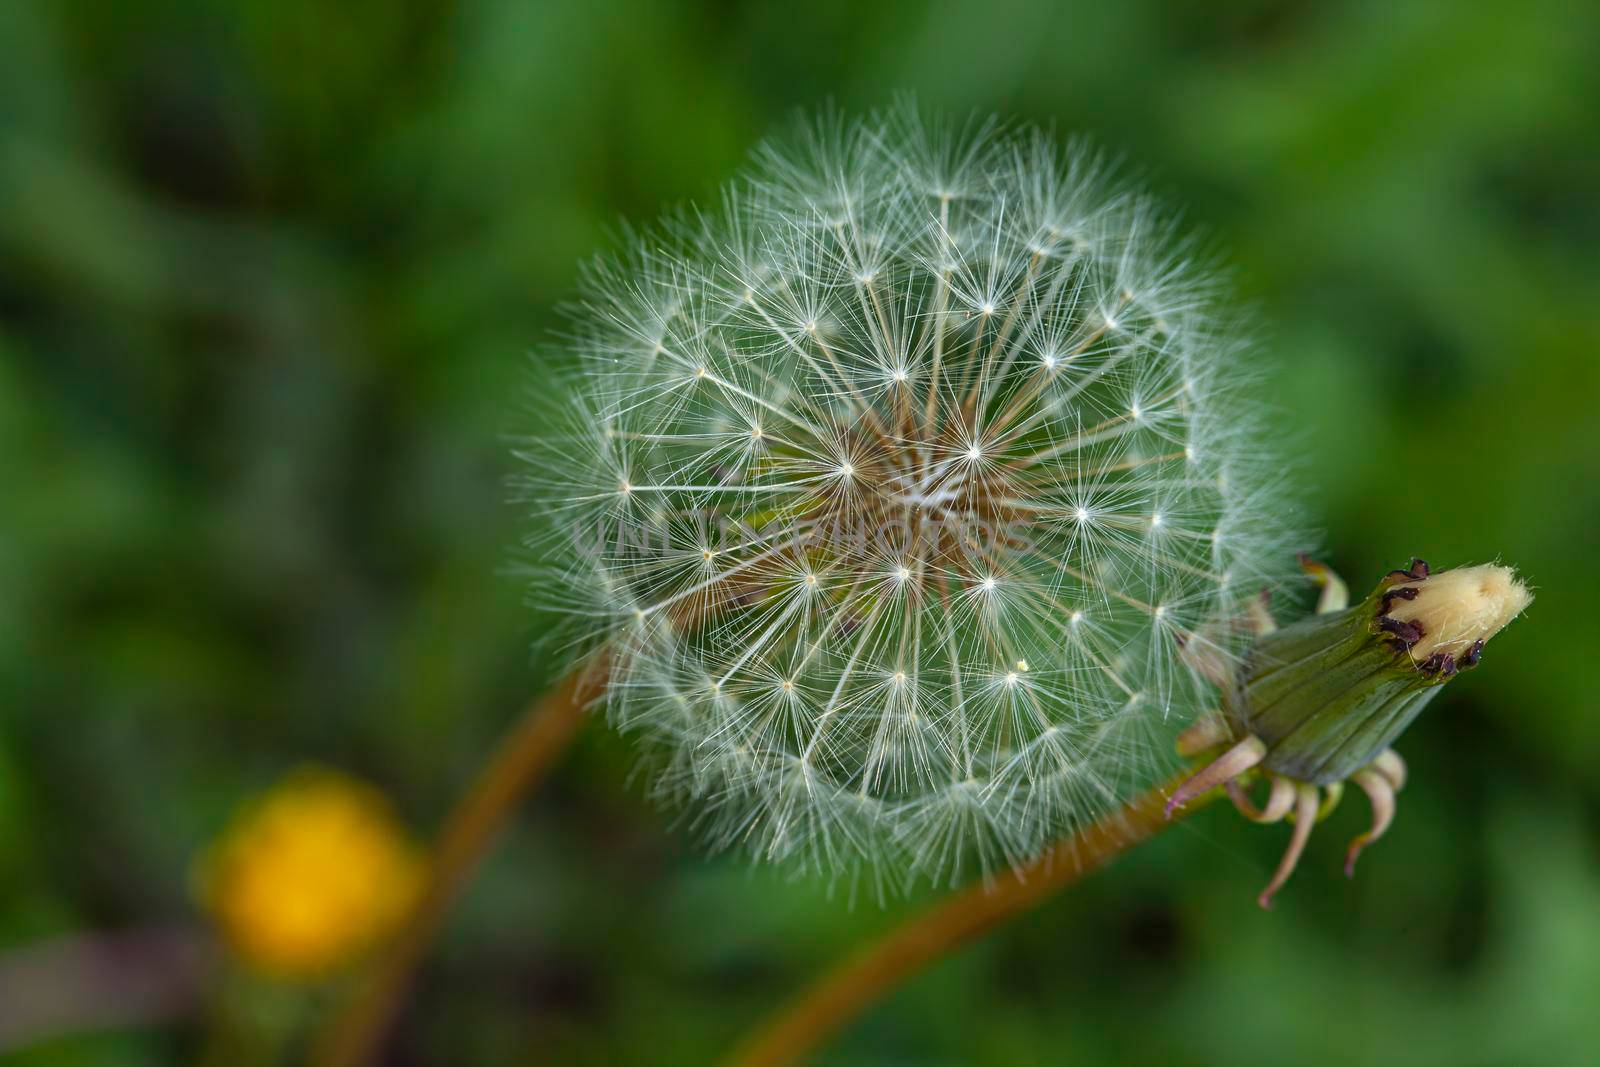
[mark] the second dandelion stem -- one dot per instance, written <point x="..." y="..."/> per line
<point x="518" y="762"/>
<point x="838" y="997"/>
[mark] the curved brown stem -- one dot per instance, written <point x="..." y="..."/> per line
<point x="841" y="995"/>
<point x="518" y="762"/>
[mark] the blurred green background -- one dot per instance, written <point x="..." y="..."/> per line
<point x="269" y="274"/>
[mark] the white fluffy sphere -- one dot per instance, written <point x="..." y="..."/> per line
<point x="894" y="487"/>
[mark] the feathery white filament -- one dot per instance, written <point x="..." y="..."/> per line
<point x="929" y="460"/>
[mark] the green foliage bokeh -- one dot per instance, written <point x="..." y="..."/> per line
<point x="269" y="273"/>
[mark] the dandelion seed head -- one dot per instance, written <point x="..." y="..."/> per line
<point x="929" y="624"/>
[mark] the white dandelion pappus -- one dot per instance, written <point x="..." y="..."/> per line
<point x="895" y="486"/>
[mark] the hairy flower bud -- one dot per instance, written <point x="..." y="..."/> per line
<point x="1319" y="702"/>
<point x="895" y="487"/>
<point x="1449" y="616"/>
<point x="1329" y="693"/>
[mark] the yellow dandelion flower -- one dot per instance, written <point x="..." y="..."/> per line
<point x="311" y="875"/>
